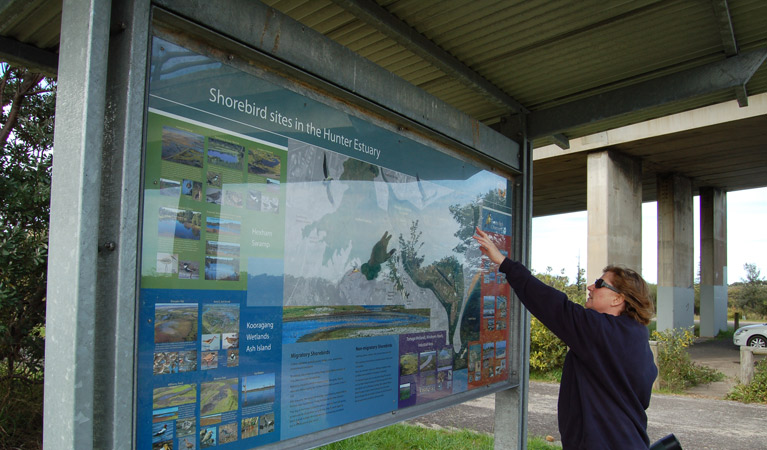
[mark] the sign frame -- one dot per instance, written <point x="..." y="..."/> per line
<point x="207" y="42"/>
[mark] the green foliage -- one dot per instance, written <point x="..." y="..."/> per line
<point x="677" y="372"/>
<point x="21" y="413"/>
<point x="411" y="437"/>
<point x="575" y="292"/>
<point x="547" y="352"/>
<point x="753" y="274"/>
<point x="402" y="436"/>
<point x="410" y="248"/>
<point x="26" y="137"/>
<point x="754" y="392"/>
<point x="467" y="217"/>
<point x="554" y="376"/>
<point x="750" y="294"/>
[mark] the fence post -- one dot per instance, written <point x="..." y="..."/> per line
<point x="746" y="364"/>
<point x="654" y="350"/>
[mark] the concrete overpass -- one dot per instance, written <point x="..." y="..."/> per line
<point x="707" y="151"/>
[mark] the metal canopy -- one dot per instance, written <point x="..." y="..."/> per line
<point x="490" y="59"/>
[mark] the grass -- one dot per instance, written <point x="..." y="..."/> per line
<point x="411" y="437"/>
<point x="552" y="376"/>
<point x="726" y="335"/>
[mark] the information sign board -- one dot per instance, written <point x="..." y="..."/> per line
<point x="302" y="266"/>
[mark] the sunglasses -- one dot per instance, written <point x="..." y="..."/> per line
<point x="602" y="283"/>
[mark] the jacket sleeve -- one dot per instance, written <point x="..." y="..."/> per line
<point x="580" y="329"/>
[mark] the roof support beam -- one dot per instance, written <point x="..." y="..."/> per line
<point x="378" y="17"/>
<point x="727" y="74"/>
<point x="561" y="141"/>
<point x="741" y="94"/>
<point x="24" y="55"/>
<point x="722" y="13"/>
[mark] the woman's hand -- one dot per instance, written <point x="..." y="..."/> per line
<point x="488" y="247"/>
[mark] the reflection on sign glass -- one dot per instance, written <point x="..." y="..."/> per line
<point x="301" y="267"/>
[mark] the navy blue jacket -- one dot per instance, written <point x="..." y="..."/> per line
<point x="608" y="373"/>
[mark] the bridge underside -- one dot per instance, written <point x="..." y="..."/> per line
<point x="730" y="155"/>
<point x="705" y="152"/>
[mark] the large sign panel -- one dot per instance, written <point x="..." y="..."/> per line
<point x="301" y="267"/>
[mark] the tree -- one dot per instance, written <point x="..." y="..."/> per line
<point x="547" y="352"/>
<point x="26" y="139"/>
<point x="753" y="274"/>
<point x="580" y="277"/>
<point x="25" y="173"/>
<point x="750" y="294"/>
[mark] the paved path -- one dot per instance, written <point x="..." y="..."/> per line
<point x="698" y="423"/>
<point x="700" y="420"/>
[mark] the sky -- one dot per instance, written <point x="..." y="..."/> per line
<point x="559" y="241"/>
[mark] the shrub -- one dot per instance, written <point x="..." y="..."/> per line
<point x="547" y="352"/>
<point x="677" y="372"/>
<point x="21" y="413"/>
<point x="754" y="392"/>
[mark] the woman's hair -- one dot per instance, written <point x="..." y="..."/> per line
<point x="634" y="289"/>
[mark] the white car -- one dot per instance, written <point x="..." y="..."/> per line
<point x="751" y="335"/>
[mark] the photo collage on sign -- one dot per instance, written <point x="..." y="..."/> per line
<point x="209" y="187"/>
<point x="488" y="358"/>
<point x="425" y="368"/>
<point x="205" y="190"/>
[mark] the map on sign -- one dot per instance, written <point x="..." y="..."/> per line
<point x="381" y="251"/>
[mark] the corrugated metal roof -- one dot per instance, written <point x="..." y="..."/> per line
<point x="545" y="53"/>
<point x="541" y="53"/>
<point x="35" y="22"/>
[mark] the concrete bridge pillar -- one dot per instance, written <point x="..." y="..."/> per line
<point x="676" y="297"/>
<point x="713" y="261"/>
<point x="614" y="202"/>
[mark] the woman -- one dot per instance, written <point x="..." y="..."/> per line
<point x="609" y="370"/>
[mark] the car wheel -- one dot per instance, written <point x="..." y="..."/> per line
<point x="757" y="341"/>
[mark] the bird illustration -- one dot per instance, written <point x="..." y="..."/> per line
<point x="208" y="437"/>
<point x="209" y="341"/>
<point x="167" y="261"/>
<point x="232" y="341"/>
<point x="378" y="256"/>
<point x="186" y="425"/>
<point x="188" y="445"/>
<point x="326" y="181"/>
<point x="209" y="358"/>
<point x="161" y="431"/>
<point x="186" y="268"/>
<point x="489" y="219"/>
<point x="233" y="356"/>
<point x="213" y="179"/>
<point x="214" y="197"/>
